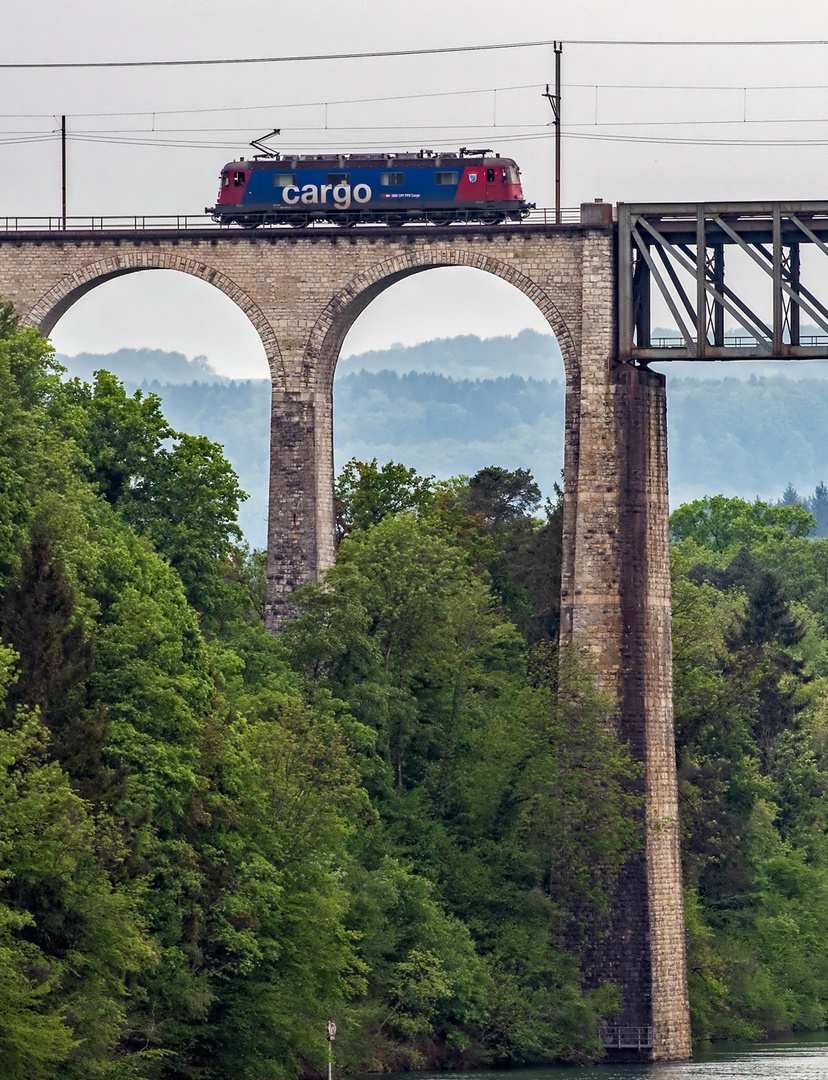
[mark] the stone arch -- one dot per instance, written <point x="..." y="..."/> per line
<point x="347" y="305"/>
<point x="62" y="295"/>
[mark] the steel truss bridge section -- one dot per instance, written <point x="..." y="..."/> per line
<point x="680" y="249"/>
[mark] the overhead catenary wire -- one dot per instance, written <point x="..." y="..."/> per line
<point x="362" y="145"/>
<point x="603" y="131"/>
<point x="217" y="109"/>
<point x="392" y="53"/>
<point x="476" y="91"/>
<point x="302" y="58"/>
<point x="280" y="105"/>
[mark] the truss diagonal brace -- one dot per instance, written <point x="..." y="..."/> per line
<point x="801" y="291"/>
<point x="812" y="236"/>
<point x="771" y="272"/>
<point x="725" y="290"/>
<point x="665" y="292"/>
<point x="762" y="336"/>
<point x="677" y="285"/>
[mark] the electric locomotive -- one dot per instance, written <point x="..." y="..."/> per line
<point x="472" y="185"/>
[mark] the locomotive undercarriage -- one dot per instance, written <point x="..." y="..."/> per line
<point x="490" y="215"/>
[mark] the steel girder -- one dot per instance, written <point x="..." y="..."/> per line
<point x="657" y="240"/>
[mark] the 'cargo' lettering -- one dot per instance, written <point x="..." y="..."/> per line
<point x="342" y="195"/>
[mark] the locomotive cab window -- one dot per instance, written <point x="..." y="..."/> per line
<point x="339" y="178"/>
<point x="238" y="179"/>
<point x="510" y="175"/>
<point x="225" y="180"/>
<point x="392" y="179"/>
<point x="447" y="177"/>
<point x="490" y="175"/>
<point x="284" y="180"/>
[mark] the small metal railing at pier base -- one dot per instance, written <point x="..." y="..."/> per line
<point x="622" y="1037"/>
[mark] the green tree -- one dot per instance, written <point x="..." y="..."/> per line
<point x="177" y="489"/>
<point x="501" y="495"/>
<point x="366" y="493"/>
<point x="487" y="785"/>
<point x="121" y="435"/>
<point x="70" y="933"/>
<point x="751" y="791"/>
<point x="40" y="618"/>
<point x="188" y="504"/>
<point x="718" y="523"/>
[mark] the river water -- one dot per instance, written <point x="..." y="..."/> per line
<point x="798" y="1058"/>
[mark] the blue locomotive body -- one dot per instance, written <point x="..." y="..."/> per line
<point x="381" y="188"/>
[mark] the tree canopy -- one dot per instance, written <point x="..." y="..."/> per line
<point x="408" y="812"/>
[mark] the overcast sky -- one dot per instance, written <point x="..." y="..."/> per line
<point x="641" y="123"/>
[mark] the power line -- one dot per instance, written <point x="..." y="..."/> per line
<point x="677" y="141"/>
<point x="243" y="132"/>
<point x="740" y="122"/>
<point x="344" y="144"/>
<point x="416" y="97"/>
<point x="390" y="53"/>
<point x="275" y="59"/>
<point x="216" y="110"/>
<point x="278" y="105"/>
<point x="699" y="43"/>
<point x="696" y="86"/>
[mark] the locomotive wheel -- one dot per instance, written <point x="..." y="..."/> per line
<point x="299" y="223"/>
<point x="395" y="220"/>
<point x="491" y="217"/>
<point x="249" y="221"/>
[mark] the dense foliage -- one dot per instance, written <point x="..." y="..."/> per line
<point x="408" y="813"/>
<point x="751" y="674"/>
<point x="211" y="841"/>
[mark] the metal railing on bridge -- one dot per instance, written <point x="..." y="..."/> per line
<point x="192" y="222"/>
<point x="110" y="223"/>
<point x="737" y="341"/>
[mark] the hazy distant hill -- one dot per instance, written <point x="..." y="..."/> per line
<point x="741" y="436"/>
<point x="138" y="365"/>
<point x="529" y="354"/>
<point x="537" y="356"/>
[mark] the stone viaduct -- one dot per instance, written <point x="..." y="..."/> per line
<point x="302" y="292"/>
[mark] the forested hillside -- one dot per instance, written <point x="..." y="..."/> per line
<point x="443" y="408"/>
<point x="213" y="841"/>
